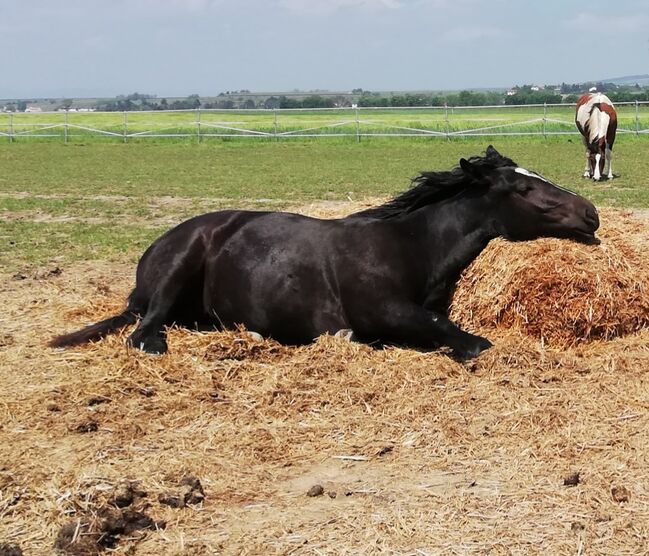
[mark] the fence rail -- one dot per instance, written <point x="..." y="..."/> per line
<point x="284" y="124"/>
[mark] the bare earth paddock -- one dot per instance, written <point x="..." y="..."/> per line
<point x="538" y="446"/>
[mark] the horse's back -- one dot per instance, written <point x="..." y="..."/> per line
<point x="596" y="118"/>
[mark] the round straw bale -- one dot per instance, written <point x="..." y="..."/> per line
<point x="561" y="291"/>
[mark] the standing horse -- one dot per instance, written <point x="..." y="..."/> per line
<point x="387" y="273"/>
<point x="596" y="120"/>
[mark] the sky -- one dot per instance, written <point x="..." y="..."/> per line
<point x="88" y="48"/>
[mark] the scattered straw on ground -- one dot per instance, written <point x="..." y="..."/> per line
<point x="533" y="447"/>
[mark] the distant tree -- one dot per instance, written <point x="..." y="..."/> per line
<point x="285" y="102"/>
<point x="317" y="101"/>
<point x="525" y="95"/>
<point x="369" y="98"/>
<point x="193" y="101"/>
<point x="272" y="102"/>
<point x="341" y="101"/>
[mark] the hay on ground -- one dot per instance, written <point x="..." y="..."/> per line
<point x="560" y="291"/>
<point x="529" y="449"/>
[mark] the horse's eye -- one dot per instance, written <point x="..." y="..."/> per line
<point x="524" y="189"/>
<point x="550" y="205"/>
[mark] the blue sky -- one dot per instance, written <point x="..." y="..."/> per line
<point x="180" y="47"/>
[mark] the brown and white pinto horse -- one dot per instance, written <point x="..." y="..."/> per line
<point x="596" y="120"/>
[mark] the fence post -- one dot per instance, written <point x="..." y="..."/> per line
<point x="11" y="127"/>
<point x="275" y="123"/>
<point x="358" y="127"/>
<point x="545" y="118"/>
<point x="447" y="124"/>
<point x="198" y="124"/>
<point x="125" y="131"/>
<point x="637" y="118"/>
<point x="65" y="127"/>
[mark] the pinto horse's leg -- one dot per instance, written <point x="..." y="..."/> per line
<point x="609" y="160"/>
<point x="413" y="325"/>
<point x="587" y="172"/>
<point x="597" y="175"/>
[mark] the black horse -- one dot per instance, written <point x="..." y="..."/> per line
<point x="387" y="273"/>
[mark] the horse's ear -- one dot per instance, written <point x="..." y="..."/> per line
<point x="491" y="151"/>
<point x="470" y="169"/>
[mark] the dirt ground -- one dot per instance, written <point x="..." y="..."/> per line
<point x="228" y="445"/>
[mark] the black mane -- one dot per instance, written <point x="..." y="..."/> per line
<point x="433" y="187"/>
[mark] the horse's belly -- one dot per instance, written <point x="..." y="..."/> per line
<point x="290" y="308"/>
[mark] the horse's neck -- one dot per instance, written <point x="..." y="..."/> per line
<point x="453" y="235"/>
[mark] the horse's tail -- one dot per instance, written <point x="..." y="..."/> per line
<point x="136" y="307"/>
<point x="95" y="331"/>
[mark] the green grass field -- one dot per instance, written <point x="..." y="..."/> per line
<point x="209" y="124"/>
<point x="109" y="200"/>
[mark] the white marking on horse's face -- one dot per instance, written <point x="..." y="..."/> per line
<point x="531" y="174"/>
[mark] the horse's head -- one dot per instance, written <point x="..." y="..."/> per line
<point x="525" y="205"/>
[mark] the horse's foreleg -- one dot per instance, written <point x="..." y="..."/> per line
<point x="413" y="325"/>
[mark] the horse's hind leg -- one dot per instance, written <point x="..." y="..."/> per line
<point x="150" y="335"/>
<point x="609" y="161"/>
<point x="587" y="173"/>
<point x="598" y="167"/>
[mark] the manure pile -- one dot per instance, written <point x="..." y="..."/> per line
<point x="228" y="445"/>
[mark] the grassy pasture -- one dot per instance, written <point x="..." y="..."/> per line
<point x="287" y="123"/>
<point x="68" y="202"/>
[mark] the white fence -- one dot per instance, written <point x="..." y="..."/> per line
<point x="279" y="124"/>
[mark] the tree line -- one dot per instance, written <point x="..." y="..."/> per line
<point x="232" y="100"/>
<point x="519" y="95"/>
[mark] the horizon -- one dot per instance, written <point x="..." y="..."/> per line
<point x="626" y="79"/>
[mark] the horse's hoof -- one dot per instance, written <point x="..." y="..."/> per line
<point x="153" y="346"/>
<point x="473" y="349"/>
<point x="345" y="334"/>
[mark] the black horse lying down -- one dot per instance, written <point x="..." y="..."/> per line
<point x="387" y="273"/>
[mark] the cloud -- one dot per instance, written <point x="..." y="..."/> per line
<point x="611" y="24"/>
<point x="470" y="33"/>
<point x="325" y="7"/>
<point x="190" y="6"/>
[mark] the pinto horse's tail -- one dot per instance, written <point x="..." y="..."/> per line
<point x="95" y="331"/>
